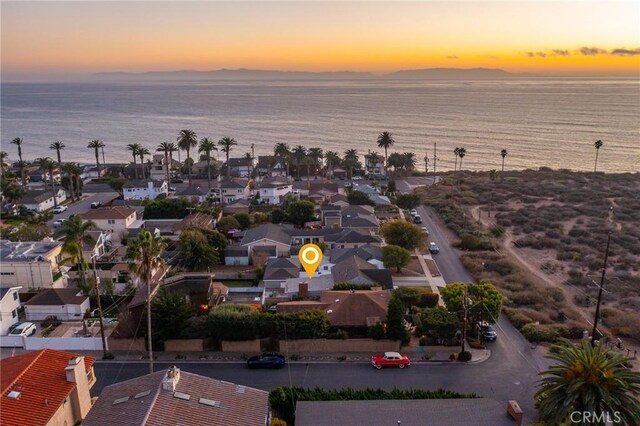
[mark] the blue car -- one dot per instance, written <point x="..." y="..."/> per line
<point x="266" y="360"/>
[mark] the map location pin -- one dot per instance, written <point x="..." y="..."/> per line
<point x="310" y="256"/>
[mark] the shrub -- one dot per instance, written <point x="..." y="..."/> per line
<point x="540" y="333"/>
<point x="243" y="219"/>
<point x="464" y="356"/>
<point x="407" y="201"/>
<point x="338" y="334"/>
<point x="404" y="234"/>
<point x="475" y="344"/>
<point x="277" y="422"/>
<point x="453" y="357"/>
<point x="518" y="319"/>
<point x="376" y="331"/>
<point x="359" y="198"/>
<point x="428" y="300"/>
<point x="472" y="242"/>
<point x="350" y="286"/>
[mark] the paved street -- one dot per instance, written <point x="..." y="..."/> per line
<point x="84" y="204"/>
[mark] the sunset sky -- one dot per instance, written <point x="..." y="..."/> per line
<point x="56" y="39"/>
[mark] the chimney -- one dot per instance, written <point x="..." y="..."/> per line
<point x="303" y="290"/>
<point x="171" y="379"/>
<point x="80" y="397"/>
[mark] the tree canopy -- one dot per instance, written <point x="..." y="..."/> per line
<point x="484" y="301"/>
<point x="301" y="211"/>
<point x="395" y="256"/>
<point x="359" y="198"/>
<point x="404" y="234"/>
<point x="170" y="313"/>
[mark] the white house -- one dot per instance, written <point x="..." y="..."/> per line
<point x="118" y="220"/>
<point x="233" y="190"/>
<point x="9" y="305"/>
<point x="39" y="200"/>
<point x="100" y="244"/>
<point x="139" y="189"/>
<point x="66" y="304"/>
<point x="273" y="190"/>
<point x="374" y="164"/>
<point x="193" y="194"/>
<point x="159" y="167"/>
<point x="31" y="264"/>
<point x="240" y="167"/>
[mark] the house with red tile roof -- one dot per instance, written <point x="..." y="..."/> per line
<point x="174" y="397"/>
<point x="45" y="387"/>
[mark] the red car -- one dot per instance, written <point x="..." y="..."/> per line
<point x="390" y="359"/>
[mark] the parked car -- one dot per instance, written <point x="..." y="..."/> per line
<point x="57" y="222"/>
<point x="13" y="326"/>
<point x="50" y="320"/>
<point x="417" y="219"/>
<point x="96" y="204"/>
<point x="266" y="360"/>
<point x="486" y="331"/>
<point x="425" y="230"/>
<point x="24" y="329"/>
<point x="59" y="209"/>
<point x="433" y="248"/>
<point x="390" y="359"/>
<point x="413" y="212"/>
<point x="176" y="180"/>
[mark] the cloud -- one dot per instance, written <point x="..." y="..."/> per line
<point x="531" y="54"/>
<point x="538" y="54"/>
<point x="452" y="57"/>
<point x="625" y="52"/>
<point x="591" y="51"/>
<point x="560" y="52"/>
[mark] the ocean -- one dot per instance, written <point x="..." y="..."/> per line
<point x="541" y="122"/>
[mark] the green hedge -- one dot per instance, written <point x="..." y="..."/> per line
<point x="283" y="399"/>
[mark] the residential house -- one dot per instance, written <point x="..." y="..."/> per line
<point x="158" y="167"/>
<point x="140" y="189"/>
<point x="39" y="200"/>
<point x="267" y="235"/>
<point x="351" y="238"/>
<point x="237" y="206"/>
<point x="232" y="190"/>
<point x="91" y="172"/>
<point x="356" y="270"/>
<point x="200" y="169"/>
<point x="374" y="164"/>
<point x="361" y="218"/>
<point x="374" y="195"/>
<point x="270" y="165"/>
<point x="45" y="387"/>
<point x="115" y="220"/>
<point x="197" y="220"/>
<point x="355" y="309"/>
<point x="274" y="190"/>
<point x="240" y="167"/>
<point x="9" y="306"/>
<point x="66" y="303"/>
<point x="174" y="396"/>
<point x="99" y="245"/>
<point x="410" y="412"/>
<point x="194" y="194"/>
<point x="246" y="295"/>
<point x="31" y="264"/>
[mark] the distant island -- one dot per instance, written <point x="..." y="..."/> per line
<point x="250" y="74"/>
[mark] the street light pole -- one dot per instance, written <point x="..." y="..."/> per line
<point x="604" y="270"/>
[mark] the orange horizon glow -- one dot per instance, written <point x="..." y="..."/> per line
<point x="56" y="38"/>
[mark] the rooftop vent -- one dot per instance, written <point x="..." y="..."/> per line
<point x="181" y="395"/>
<point x="14" y="394"/>
<point x="240" y="389"/>
<point x="209" y="402"/>
<point x="120" y="400"/>
<point x="141" y="394"/>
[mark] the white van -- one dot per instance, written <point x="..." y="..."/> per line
<point x="24" y="329"/>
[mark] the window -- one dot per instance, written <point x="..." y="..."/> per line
<point x="111" y="221"/>
<point x="15" y="295"/>
<point x="14" y="313"/>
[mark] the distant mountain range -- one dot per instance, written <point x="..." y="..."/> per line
<point x="249" y="74"/>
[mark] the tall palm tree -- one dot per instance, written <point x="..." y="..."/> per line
<point x="282" y="151"/>
<point x="351" y="160"/>
<point x="207" y="146"/>
<point x="461" y="153"/>
<point x="4" y="157"/>
<point x="58" y="146"/>
<point x="21" y="164"/>
<point x="167" y="148"/>
<point x="146" y="255"/>
<point x="299" y="152"/>
<point x="96" y="145"/>
<point x="456" y="151"/>
<point x="47" y="165"/>
<point x="332" y="158"/>
<point x="503" y="154"/>
<point x="589" y="379"/>
<point x="134" y="148"/>
<point x="187" y="139"/>
<point x="409" y="161"/>
<point x="74" y="233"/>
<point x="77" y="171"/>
<point x="316" y="156"/>
<point x="386" y="141"/>
<point x="68" y="169"/>
<point x="598" y="144"/>
<point x="226" y="145"/>
<point x="249" y="158"/>
<point x="142" y="152"/>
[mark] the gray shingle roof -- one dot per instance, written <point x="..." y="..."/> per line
<point x="57" y="297"/>
<point x="142" y="183"/>
<point x="267" y="231"/>
<point x="36" y="196"/>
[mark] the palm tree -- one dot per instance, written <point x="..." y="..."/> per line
<point x="96" y="145"/>
<point x="142" y="152"/>
<point x="145" y="253"/>
<point x="299" y="152"/>
<point x="134" y="148"/>
<point x="316" y="156"/>
<point x="226" y="145"/>
<point x="4" y="157"/>
<point x="598" y="144"/>
<point x="282" y="151"/>
<point x="47" y="165"/>
<point x="332" y="158"/>
<point x="57" y="146"/>
<point x="74" y="233"/>
<point x="385" y="140"/>
<point x="68" y="169"/>
<point x="249" y="158"/>
<point x="588" y="379"/>
<point x="21" y="164"/>
<point x="206" y="147"/>
<point x="409" y="161"/>
<point x="351" y="160"/>
<point x="11" y="192"/>
<point x="166" y="148"/>
<point x="456" y="151"/>
<point x="187" y="139"/>
<point x="77" y="171"/>
<point x="461" y="153"/>
<point x="503" y="154"/>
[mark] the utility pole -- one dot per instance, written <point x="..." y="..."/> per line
<point x="97" y="288"/>
<point x="464" y="321"/>
<point x="148" y="279"/>
<point x="103" y="162"/>
<point x="604" y="270"/>
<point x="434" y="162"/>
<point x="426" y="163"/>
<point x="481" y="312"/>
